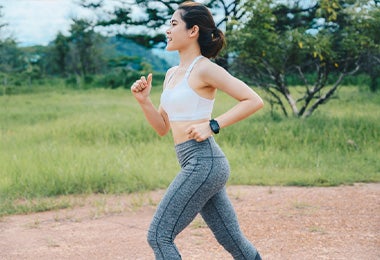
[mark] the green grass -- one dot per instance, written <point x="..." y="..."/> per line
<point x="62" y="142"/>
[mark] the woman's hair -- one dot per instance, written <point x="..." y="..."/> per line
<point x="211" y="40"/>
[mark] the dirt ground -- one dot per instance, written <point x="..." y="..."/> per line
<point x="282" y="222"/>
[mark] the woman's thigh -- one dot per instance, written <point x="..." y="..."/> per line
<point x="193" y="186"/>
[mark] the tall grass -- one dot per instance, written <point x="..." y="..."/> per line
<point x="337" y="145"/>
<point x="97" y="141"/>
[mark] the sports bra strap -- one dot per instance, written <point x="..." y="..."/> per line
<point x="191" y="66"/>
<point x="189" y="69"/>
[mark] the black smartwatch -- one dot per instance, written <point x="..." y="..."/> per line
<point x="214" y="126"/>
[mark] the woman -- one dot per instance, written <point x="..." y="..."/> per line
<point x="186" y="106"/>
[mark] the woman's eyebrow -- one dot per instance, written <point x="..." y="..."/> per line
<point x="173" y="20"/>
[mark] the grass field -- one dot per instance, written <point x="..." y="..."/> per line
<point x="63" y="141"/>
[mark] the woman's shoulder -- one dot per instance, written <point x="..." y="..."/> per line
<point x="207" y="64"/>
<point x="171" y="70"/>
<point x="209" y="68"/>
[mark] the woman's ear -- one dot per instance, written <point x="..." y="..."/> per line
<point x="194" y="31"/>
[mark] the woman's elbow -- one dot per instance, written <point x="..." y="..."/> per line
<point x="162" y="131"/>
<point x="260" y="103"/>
<point x="163" y="127"/>
<point x="257" y="103"/>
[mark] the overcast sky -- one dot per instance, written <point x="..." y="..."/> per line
<point x="33" y="22"/>
<point x="37" y="21"/>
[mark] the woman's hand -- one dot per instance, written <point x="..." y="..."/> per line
<point x="199" y="132"/>
<point x="141" y="88"/>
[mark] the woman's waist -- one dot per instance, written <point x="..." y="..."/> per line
<point x="192" y="148"/>
<point x="179" y="129"/>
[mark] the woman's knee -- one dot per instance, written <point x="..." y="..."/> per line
<point x="157" y="239"/>
<point x="163" y="245"/>
<point x="151" y="239"/>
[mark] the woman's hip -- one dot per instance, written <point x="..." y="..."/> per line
<point x="192" y="149"/>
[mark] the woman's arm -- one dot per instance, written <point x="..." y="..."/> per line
<point x="156" y="118"/>
<point x="249" y="101"/>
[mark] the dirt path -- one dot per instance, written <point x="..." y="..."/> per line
<point x="282" y="222"/>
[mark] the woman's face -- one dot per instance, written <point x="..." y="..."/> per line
<point x="177" y="34"/>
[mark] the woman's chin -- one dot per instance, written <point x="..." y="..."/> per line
<point x="170" y="48"/>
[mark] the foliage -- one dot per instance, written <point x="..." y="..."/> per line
<point x="82" y="57"/>
<point x="85" y="55"/>
<point x="10" y="56"/>
<point x="59" y="53"/>
<point x="155" y="15"/>
<point x="280" y="40"/>
<point x="2" y="24"/>
<point x="118" y="62"/>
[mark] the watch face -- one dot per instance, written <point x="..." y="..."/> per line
<point x="214" y="126"/>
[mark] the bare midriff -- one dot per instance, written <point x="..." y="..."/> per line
<point x="179" y="129"/>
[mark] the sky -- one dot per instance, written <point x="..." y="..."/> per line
<point x="33" y="22"/>
<point x="37" y="22"/>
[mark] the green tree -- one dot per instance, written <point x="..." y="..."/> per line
<point x="2" y="24"/>
<point x="279" y="40"/>
<point x="10" y="55"/>
<point x="85" y="52"/>
<point x="155" y="15"/>
<point x="369" y="39"/>
<point x="33" y="63"/>
<point x="59" y="53"/>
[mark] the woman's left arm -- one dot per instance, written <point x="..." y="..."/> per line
<point x="248" y="100"/>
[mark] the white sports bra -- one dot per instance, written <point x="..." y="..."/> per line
<point x="182" y="103"/>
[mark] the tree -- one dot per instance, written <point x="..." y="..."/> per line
<point x="59" y="53"/>
<point x="2" y="25"/>
<point x="370" y="40"/>
<point x="155" y="15"/>
<point x="85" y="56"/>
<point x="33" y="63"/>
<point x="280" y="40"/>
<point x="148" y="28"/>
<point x="143" y="29"/>
<point x="10" y="55"/>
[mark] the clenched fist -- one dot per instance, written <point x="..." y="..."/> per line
<point x="141" y="87"/>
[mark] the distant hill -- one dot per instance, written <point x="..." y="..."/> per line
<point x="118" y="46"/>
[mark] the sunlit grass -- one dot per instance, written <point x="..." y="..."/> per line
<point x="97" y="141"/>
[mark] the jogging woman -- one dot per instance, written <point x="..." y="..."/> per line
<point x="186" y="106"/>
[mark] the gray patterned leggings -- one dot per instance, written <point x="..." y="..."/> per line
<point x="198" y="188"/>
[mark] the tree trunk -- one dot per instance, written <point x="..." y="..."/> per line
<point x="5" y="83"/>
<point x="374" y="86"/>
<point x="329" y="93"/>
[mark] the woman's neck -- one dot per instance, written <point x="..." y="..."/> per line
<point x="186" y="58"/>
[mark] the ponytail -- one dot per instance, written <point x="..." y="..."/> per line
<point x="211" y="39"/>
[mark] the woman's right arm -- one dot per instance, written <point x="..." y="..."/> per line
<point x="157" y="118"/>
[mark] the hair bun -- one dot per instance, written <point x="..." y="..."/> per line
<point x="215" y="32"/>
<point x="211" y="39"/>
